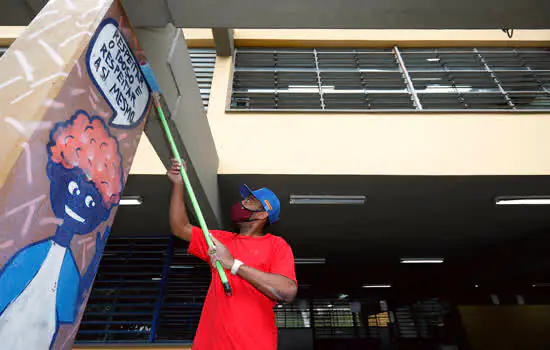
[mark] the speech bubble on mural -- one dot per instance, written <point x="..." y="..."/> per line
<point x="115" y="71"/>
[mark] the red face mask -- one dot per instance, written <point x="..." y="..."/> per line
<point x="240" y="214"/>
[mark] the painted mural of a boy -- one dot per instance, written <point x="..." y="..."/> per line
<point x="41" y="284"/>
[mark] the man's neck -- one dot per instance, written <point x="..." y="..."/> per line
<point x="249" y="229"/>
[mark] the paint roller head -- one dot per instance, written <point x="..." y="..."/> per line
<point x="150" y="77"/>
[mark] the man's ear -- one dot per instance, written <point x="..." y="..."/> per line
<point x="263" y="215"/>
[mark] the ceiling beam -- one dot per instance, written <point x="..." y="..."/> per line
<point x="357" y="14"/>
<point x="19" y="13"/>
<point x="148" y="13"/>
<point x="327" y="14"/>
<point x="34" y="5"/>
<point x="223" y="41"/>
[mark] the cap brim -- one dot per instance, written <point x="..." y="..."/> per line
<point x="245" y="191"/>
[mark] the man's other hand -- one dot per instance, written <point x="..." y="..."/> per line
<point x="174" y="172"/>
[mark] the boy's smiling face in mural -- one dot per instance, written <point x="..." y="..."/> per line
<point x="75" y="199"/>
<point x="85" y="171"/>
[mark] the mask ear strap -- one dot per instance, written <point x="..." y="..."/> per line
<point x="250" y="210"/>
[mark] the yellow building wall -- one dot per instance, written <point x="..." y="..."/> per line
<point x="9" y="34"/>
<point x="198" y="37"/>
<point x="378" y="143"/>
<point x="146" y="161"/>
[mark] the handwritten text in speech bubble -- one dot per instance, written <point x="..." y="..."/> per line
<point x="116" y="73"/>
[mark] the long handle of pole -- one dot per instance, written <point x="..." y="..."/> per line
<point x="194" y="202"/>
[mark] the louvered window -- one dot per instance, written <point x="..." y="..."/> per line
<point x="203" y="61"/>
<point x="393" y="79"/>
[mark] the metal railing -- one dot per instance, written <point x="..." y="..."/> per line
<point x="147" y="289"/>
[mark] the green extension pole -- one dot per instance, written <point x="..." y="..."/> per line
<point x="150" y="78"/>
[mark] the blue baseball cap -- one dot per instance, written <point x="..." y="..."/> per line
<point x="269" y="201"/>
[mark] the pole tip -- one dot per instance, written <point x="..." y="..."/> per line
<point x="227" y="289"/>
<point x="150" y="77"/>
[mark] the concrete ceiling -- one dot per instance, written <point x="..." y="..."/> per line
<point x="405" y="216"/>
<point x="356" y="14"/>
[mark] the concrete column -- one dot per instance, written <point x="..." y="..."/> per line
<point x="223" y="39"/>
<point x="169" y="58"/>
<point x="73" y="105"/>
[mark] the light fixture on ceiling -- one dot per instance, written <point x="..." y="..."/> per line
<point x="433" y="59"/>
<point x="523" y="200"/>
<point x="131" y="200"/>
<point x="307" y="261"/>
<point x="342" y="296"/>
<point x="182" y="267"/>
<point x="296" y="199"/>
<point x="421" y="260"/>
<point x="541" y="285"/>
<point x="377" y="286"/>
<point x="156" y="279"/>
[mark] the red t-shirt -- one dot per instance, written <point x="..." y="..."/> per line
<point x="245" y="320"/>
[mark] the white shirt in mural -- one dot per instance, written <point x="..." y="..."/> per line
<point x="29" y="322"/>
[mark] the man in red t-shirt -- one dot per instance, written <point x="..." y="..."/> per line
<point x="260" y="270"/>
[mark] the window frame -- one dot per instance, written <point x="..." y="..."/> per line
<point x="416" y="94"/>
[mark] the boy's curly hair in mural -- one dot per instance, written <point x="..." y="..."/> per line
<point x="84" y="142"/>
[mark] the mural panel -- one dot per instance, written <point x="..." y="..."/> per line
<point x="59" y="200"/>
